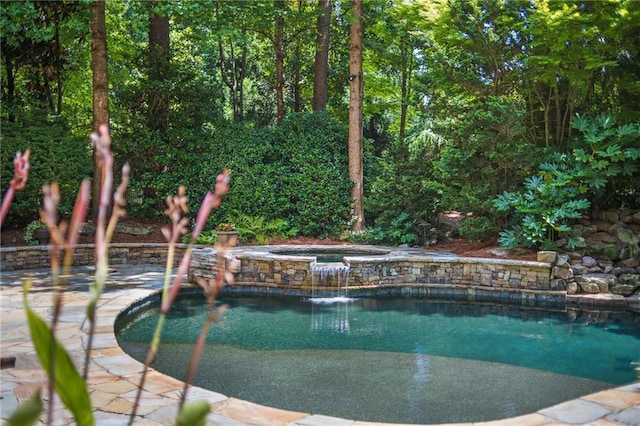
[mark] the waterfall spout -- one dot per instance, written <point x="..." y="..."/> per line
<point x="329" y="281"/>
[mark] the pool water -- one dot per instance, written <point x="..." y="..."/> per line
<point x="328" y="256"/>
<point x="395" y="359"/>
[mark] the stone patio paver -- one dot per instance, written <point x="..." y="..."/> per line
<point x="578" y="411"/>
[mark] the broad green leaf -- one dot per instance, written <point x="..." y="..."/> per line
<point x="193" y="414"/>
<point x="67" y="383"/>
<point x="28" y="413"/>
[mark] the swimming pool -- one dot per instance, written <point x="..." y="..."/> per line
<point x="395" y="359"/>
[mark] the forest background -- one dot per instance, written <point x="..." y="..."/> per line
<point x="521" y="115"/>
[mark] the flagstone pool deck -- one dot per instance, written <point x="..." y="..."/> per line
<point x="113" y="375"/>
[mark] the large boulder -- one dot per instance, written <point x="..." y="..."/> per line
<point x="597" y="283"/>
<point x="627" y="241"/>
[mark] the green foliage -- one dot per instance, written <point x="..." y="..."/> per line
<point x="56" y="156"/>
<point x="28" y="413"/>
<point x="193" y="414"/>
<point x="484" y="152"/>
<point x="401" y="230"/>
<point x="607" y="155"/>
<point x="256" y="229"/>
<point x="296" y="171"/>
<point x="566" y="187"/>
<point x="404" y="197"/>
<point x="477" y="228"/>
<point x="366" y="236"/>
<point x="30" y="229"/>
<point x="208" y="237"/>
<point x="53" y="357"/>
<point x="251" y="229"/>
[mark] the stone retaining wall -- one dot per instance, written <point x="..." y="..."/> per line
<point x="35" y="257"/>
<point x="297" y="273"/>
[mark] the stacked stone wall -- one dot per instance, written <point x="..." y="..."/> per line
<point x="37" y="257"/>
<point x="606" y="267"/>
<point x="296" y="273"/>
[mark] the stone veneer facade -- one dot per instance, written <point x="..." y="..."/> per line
<point x="36" y="257"/>
<point x="411" y="271"/>
<point x="260" y="267"/>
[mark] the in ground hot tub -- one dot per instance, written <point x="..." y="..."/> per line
<point x="321" y="270"/>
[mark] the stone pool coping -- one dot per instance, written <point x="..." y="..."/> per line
<point x="114" y="375"/>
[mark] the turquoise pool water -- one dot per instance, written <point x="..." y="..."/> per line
<point x="395" y="359"/>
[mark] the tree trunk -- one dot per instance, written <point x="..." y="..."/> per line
<point x="356" y="85"/>
<point x="233" y="71"/>
<point x="159" y="60"/>
<point x="100" y="84"/>
<point x="278" y="43"/>
<point x="321" y="64"/>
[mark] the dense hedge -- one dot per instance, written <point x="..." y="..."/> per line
<point x="295" y="171"/>
<point x="56" y="155"/>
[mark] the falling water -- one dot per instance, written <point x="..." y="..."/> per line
<point x="329" y="285"/>
<point x="329" y="282"/>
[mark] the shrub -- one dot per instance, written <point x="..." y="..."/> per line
<point x="565" y="188"/>
<point x="296" y="171"/>
<point x="56" y="155"/>
<point x="403" y="199"/>
<point x="477" y="228"/>
<point x="30" y="229"/>
<point x="257" y="229"/>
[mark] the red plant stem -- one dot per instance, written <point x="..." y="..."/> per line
<point x="6" y="203"/>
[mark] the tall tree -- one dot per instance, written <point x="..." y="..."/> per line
<point x="100" y="84"/>
<point x="321" y="64"/>
<point x="159" y="61"/>
<point x="35" y="43"/>
<point x="278" y="43"/>
<point x="356" y="91"/>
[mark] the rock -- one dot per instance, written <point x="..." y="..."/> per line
<point x="562" y="272"/>
<point x="558" y="285"/>
<point x="572" y="287"/>
<point x="600" y="226"/>
<point x="623" y="289"/>
<point x="563" y="261"/>
<point x="585" y="230"/>
<point x="609" y="216"/>
<point x="604" y="264"/>
<point x="626" y="218"/>
<point x="132" y="229"/>
<point x="630" y="263"/>
<point x="602" y="281"/>
<point x="574" y="255"/>
<point x="601" y="238"/>
<point x="603" y="251"/>
<point x="636" y="217"/>
<point x="589" y="261"/>
<point x="86" y="229"/>
<point x="628" y="239"/>
<point x="547" y="256"/>
<point x="579" y="269"/>
<point x="589" y="287"/>
<point x="631" y="279"/>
